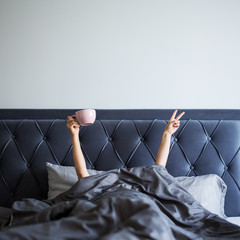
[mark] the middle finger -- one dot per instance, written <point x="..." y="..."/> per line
<point x="179" y="116"/>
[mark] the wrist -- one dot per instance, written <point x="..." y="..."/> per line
<point x="75" y="136"/>
<point x="166" y="134"/>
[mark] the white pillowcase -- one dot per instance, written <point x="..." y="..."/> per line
<point x="209" y="190"/>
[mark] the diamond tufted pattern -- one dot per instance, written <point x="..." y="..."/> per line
<point x="197" y="148"/>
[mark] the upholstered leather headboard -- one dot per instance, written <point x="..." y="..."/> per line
<point x="208" y="141"/>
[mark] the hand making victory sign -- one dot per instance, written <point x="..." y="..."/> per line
<point x="173" y="123"/>
<point x="172" y="127"/>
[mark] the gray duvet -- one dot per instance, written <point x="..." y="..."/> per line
<point x="136" y="203"/>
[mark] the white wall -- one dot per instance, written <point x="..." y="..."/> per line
<point x="119" y="53"/>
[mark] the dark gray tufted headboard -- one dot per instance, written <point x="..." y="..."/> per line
<point x="208" y="141"/>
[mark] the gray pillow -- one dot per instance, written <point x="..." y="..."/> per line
<point x="209" y="190"/>
<point x="62" y="178"/>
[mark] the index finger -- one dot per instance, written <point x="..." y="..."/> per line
<point x="180" y="115"/>
<point x="71" y="117"/>
<point x="173" y="115"/>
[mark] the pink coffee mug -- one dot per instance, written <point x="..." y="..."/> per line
<point x="86" y="117"/>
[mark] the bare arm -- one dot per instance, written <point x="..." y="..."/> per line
<point x="79" y="160"/>
<point x="163" y="151"/>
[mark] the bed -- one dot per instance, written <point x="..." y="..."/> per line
<point x="36" y="161"/>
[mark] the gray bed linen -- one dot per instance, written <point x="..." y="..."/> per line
<point x="136" y="203"/>
<point x="5" y="214"/>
